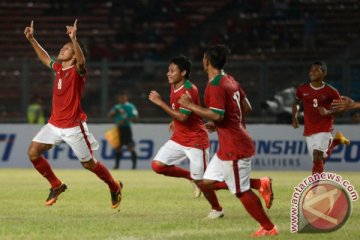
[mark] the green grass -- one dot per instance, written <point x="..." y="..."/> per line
<point x="154" y="207"/>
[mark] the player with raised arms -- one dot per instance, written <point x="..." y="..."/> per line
<point x="68" y="120"/>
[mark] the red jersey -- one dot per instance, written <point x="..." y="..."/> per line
<point x="222" y="95"/>
<point x="192" y="132"/>
<point x="67" y="91"/>
<point x="313" y="98"/>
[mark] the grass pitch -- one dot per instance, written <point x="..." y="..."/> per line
<point x="153" y="207"/>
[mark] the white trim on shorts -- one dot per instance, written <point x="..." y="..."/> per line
<point x="81" y="141"/>
<point x="236" y="174"/>
<point x="172" y="153"/>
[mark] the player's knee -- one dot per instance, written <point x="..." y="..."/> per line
<point x="207" y="182"/>
<point x="33" y="153"/>
<point x="318" y="155"/>
<point x="204" y="186"/>
<point x="157" y="167"/>
<point x="89" y="165"/>
<point x="86" y="165"/>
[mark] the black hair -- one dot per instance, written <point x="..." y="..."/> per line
<point x="322" y="65"/>
<point x="217" y="55"/>
<point x="183" y="63"/>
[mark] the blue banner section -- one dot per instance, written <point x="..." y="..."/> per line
<point x="278" y="147"/>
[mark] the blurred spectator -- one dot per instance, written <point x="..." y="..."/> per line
<point x="35" y="111"/>
<point x="281" y="105"/>
<point x="124" y="113"/>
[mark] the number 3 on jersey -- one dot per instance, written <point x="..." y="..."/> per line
<point x="315" y="103"/>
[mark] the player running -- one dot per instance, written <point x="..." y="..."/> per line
<point x="263" y="184"/>
<point x="317" y="97"/>
<point x="68" y="120"/>
<point x="189" y="139"/>
<point x="233" y="158"/>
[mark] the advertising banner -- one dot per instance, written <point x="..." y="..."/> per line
<point x="278" y="147"/>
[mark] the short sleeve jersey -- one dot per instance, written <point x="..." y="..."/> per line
<point x="67" y="92"/>
<point x="313" y="98"/>
<point x="192" y="132"/>
<point x="222" y="95"/>
<point x="124" y="112"/>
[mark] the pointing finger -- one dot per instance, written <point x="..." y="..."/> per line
<point x="75" y="23"/>
<point x="32" y="24"/>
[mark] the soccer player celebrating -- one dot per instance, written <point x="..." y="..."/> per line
<point x="189" y="139"/>
<point x="68" y="120"/>
<point x="233" y="159"/>
<point x="263" y="184"/>
<point x="317" y="97"/>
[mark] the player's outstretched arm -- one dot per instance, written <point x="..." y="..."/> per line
<point x="345" y="104"/>
<point x="156" y="98"/>
<point x="355" y="105"/>
<point x="40" y="52"/>
<point x="185" y="101"/>
<point x="79" y="55"/>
